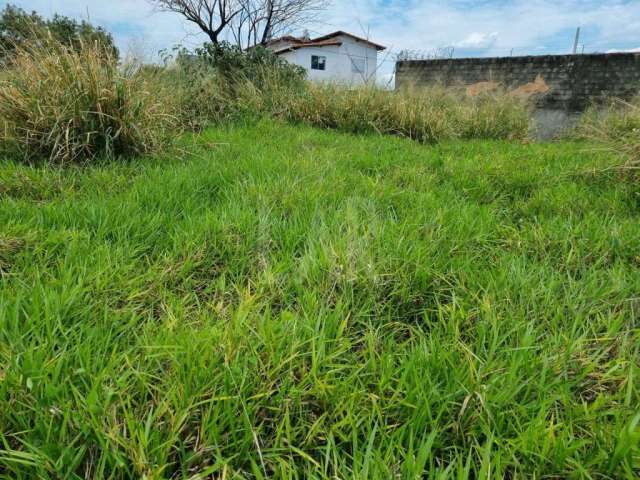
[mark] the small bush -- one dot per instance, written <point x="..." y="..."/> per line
<point x="69" y="104"/>
<point x="221" y="81"/>
<point x="255" y="65"/>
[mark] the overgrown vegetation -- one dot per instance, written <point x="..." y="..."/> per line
<point x="234" y="64"/>
<point x="221" y="81"/>
<point x="69" y="104"/>
<point x="428" y="115"/>
<point x="285" y="302"/>
<point x="617" y="126"/>
<point x="73" y="104"/>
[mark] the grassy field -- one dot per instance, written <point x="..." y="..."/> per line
<point x="283" y="302"/>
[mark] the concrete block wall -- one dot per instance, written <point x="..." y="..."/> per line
<point x="565" y="82"/>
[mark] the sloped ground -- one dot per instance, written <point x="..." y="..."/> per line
<point x="284" y="302"/>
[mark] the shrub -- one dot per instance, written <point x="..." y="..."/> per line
<point x="217" y="82"/>
<point x="254" y="65"/>
<point x="69" y="104"/>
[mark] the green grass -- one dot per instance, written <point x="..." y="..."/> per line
<point x="283" y="302"/>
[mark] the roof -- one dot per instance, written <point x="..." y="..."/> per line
<point x="286" y="38"/>
<point x="377" y="46"/>
<point x="324" y="41"/>
<point x="302" y="44"/>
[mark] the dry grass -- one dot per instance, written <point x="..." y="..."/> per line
<point x="427" y="115"/>
<point x="70" y="106"/>
<point x="617" y="126"/>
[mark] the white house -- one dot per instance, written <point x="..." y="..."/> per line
<point x="338" y="57"/>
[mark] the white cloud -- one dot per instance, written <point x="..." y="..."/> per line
<point x="629" y="50"/>
<point x="519" y="24"/>
<point x="478" y="40"/>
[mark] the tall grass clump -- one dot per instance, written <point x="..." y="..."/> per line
<point x="199" y="96"/>
<point x="427" y="115"/>
<point x="617" y="126"/>
<point x="67" y="105"/>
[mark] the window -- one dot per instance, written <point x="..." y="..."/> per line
<point x="318" y="62"/>
<point x="358" y="66"/>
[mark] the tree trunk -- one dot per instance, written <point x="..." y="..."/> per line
<point x="266" y="34"/>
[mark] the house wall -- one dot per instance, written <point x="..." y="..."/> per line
<point x="302" y="57"/>
<point x="339" y="61"/>
<point x="351" y="50"/>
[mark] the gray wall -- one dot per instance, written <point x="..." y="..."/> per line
<point x="573" y="81"/>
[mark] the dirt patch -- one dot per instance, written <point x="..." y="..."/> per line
<point x="537" y="87"/>
<point x="482" y="87"/>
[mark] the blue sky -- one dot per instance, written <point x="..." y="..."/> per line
<point x="470" y="27"/>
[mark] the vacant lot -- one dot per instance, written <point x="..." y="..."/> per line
<point x="283" y="302"/>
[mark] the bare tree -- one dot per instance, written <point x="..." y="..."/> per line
<point x="213" y="17"/>
<point x="262" y="20"/>
<point x="251" y="22"/>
